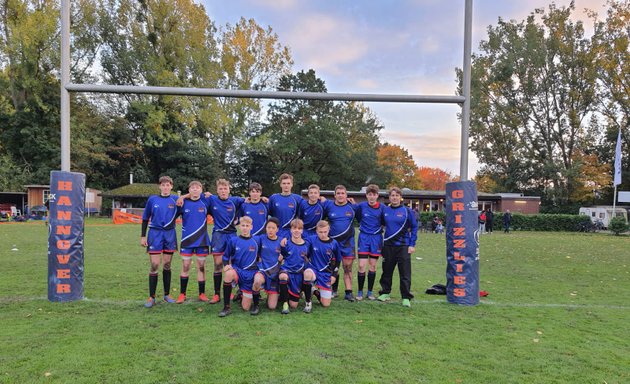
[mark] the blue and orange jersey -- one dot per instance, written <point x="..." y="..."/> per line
<point x="341" y="218"/>
<point x="258" y="212"/>
<point x="268" y="253"/>
<point x="370" y="218"/>
<point x="224" y="213"/>
<point x="194" y="223"/>
<point x="161" y="211"/>
<point x="311" y="214"/>
<point x="295" y="256"/>
<point x="285" y="208"/>
<point x="401" y="227"/>
<point x="324" y="254"/>
<point x="242" y="252"/>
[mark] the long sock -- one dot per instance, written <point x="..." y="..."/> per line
<point x="227" y="291"/>
<point x="361" y="280"/>
<point x="284" y="291"/>
<point x="308" y="293"/>
<point x="256" y="295"/>
<point x="202" y="286"/>
<point x="217" y="283"/>
<point x="153" y="280"/>
<point x="318" y="295"/>
<point x="371" y="279"/>
<point x="335" y="285"/>
<point x="183" y="283"/>
<point x="166" y="278"/>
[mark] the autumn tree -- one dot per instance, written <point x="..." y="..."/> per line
<point x="399" y="164"/>
<point x="433" y="179"/>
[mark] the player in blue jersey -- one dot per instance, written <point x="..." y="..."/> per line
<point x="295" y="258"/>
<point x="401" y="233"/>
<point x="370" y="217"/>
<point x="341" y="215"/>
<point x="325" y="256"/>
<point x="311" y="211"/>
<point x="159" y="216"/>
<point x="195" y="239"/>
<point x="285" y="206"/>
<point x="256" y="209"/>
<point x="240" y="259"/>
<point x="269" y="258"/>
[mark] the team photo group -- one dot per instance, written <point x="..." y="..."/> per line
<point x="291" y="247"/>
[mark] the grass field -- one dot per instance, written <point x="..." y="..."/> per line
<point x="558" y="312"/>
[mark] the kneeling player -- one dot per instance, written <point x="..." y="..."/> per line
<point x="268" y="266"/>
<point x="323" y="268"/>
<point x="295" y="254"/>
<point x="239" y="258"/>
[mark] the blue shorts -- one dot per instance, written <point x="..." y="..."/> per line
<point x="199" y="251"/>
<point x="271" y="282"/>
<point x="245" y="279"/>
<point x="322" y="280"/>
<point x="295" y="283"/>
<point x="219" y="242"/>
<point x="370" y="245"/>
<point x="161" y="241"/>
<point x="347" y="248"/>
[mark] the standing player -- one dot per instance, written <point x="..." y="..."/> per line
<point x="295" y="255"/>
<point x="269" y="258"/>
<point x="341" y="214"/>
<point x="322" y="268"/>
<point x="370" y="216"/>
<point x="311" y="211"/>
<point x="239" y="257"/>
<point x="159" y="216"/>
<point x="285" y="205"/>
<point x="195" y="239"/>
<point x="401" y="233"/>
<point x="255" y="209"/>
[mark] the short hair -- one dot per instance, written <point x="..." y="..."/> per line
<point x="165" y="179"/>
<point x="223" y="182"/>
<point x="255" y="187"/>
<point x="246" y="220"/>
<point x="297" y="223"/>
<point x="395" y="189"/>
<point x="313" y="186"/>
<point x="322" y="224"/>
<point x="373" y="188"/>
<point x="195" y="182"/>
<point x="286" y="176"/>
<point x="273" y="220"/>
<point x="340" y="186"/>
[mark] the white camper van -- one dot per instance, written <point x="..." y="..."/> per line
<point x="603" y="213"/>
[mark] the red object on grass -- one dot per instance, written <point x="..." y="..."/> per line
<point x="483" y="293"/>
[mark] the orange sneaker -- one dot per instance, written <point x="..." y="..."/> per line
<point x="215" y="299"/>
<point x="180" y="299"/>
<point x="204" y="298"/>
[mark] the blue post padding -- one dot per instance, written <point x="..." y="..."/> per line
<point x="462" y="243"/>
<point x="65" y="237"/>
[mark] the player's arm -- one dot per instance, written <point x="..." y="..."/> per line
<point x="414" y="231"/>
<point x="146" y="215"/>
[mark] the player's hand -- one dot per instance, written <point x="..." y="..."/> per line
<point x="351" y="200"/>
<point x="411" y="250"/>
<point x="283" y="242"/>
<point x="264" y="199"/>
<point x="322" y="199"/>
<point x="143" y="241"/>
<point x="207" y="194"/>
<point x="180" y="201"/>
<point x="280" y="258"/>
<point x="248" y="200"/>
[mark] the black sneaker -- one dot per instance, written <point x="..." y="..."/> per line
<point x="334" y="294"/>
<point x="225" y="311"/>
<point x="348" y="296"/>
<point x="255" y="310"/>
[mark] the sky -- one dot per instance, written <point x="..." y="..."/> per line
<point x="392" y="47"/>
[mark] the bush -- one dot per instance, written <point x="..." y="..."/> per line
<point x="542" y="222"/>
<point x="617" y="225"/>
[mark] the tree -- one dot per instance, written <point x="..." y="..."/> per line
<point x="398" y="163"/>
<point x="592" y="177"/>
<point x="433" y="179"/>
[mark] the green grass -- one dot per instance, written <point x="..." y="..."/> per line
<point x="558" y="312"/>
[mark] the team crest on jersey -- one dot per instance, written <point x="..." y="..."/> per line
<point x="303" y="254"/>
<point x="200" y="209"/>
<point x="171" y="206"/>
<point x="261" y="211"/>
<point x="229" y="209"/>
<point x="399" y="214"/>
<point x="252" y="248"/>
<point x="278" y="249"/>
<point x="348" y="214"/>
<point x="291" y="205"/>
<point x="328" y="252"/>
<point x="318" y="212"/>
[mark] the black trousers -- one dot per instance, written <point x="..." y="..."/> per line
<point x="392" y="256"/>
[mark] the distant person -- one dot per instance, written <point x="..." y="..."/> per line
<point x="482" y="221"/>
<point x="507" y="220"/>
<point x="489" y="220"/>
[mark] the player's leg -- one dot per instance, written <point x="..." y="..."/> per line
<point x="363" y="260"/>
<point x="347" y="277"/>
<point x="307" y="288"/>
<point x="154" y="261"/>
<point x="283" y="287"/>
<point x="183" y="277"/>
<point x="295" y="287"/>
<point x="229" y="276"/>
<point x="389" y="263"/>
<point x="259" y="282"/>
<point x="201" y="275"/>
<point x="167" y="258"/>
<point x="326" y="292"/>
<point x="404" y="272"/>
<point x="371" y="276"/>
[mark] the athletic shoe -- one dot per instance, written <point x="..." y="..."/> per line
<point x="384" y="297"/>
<point x="348" y="296"/>
<point x="168" y="299"/>
<point x="308" y="307"/>
<point x="406" y="303"/>
<point x="181" y="298"/>
<point x="215" y="299"/>
<point x="255" y="310"/>
<point x="150" y="302"/>
<point x="225" y="311"/>
<point x="335" y="294"/>
<point x="359" y="296"/>
<point x="285" y="308"/>
<point x="204" y="298"/>
<point x="371" y="296"/>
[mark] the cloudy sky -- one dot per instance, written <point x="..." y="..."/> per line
<point x="390" y="46"/>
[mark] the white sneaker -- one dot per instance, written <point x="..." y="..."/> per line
<point x="308" y="307"/>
